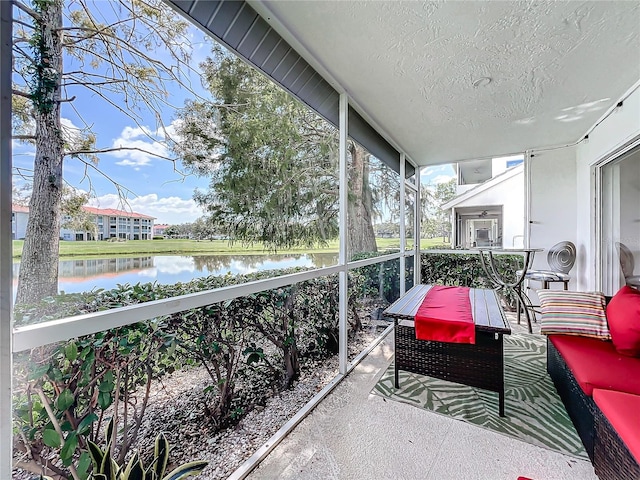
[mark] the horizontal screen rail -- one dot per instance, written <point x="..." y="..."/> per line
<point x="32" y="336"/>
<point x="37" y="335"/>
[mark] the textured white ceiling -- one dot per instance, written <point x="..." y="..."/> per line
<point x="410" y="67"/>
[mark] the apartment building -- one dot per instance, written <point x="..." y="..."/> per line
<point x="19" y="218"/>
<point x="109" y="223"/>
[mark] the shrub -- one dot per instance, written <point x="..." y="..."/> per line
<point x="465" y="269"/>
<point x="381" y="280"/>
<point x="66" y="390"/>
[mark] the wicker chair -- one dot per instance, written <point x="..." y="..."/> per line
<point x="612" y="459"/>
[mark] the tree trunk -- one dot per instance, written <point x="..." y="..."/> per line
<point x="289" y="345"/>
<point x="39" y="264"/>
<point x="291" y="364"/>
<point x="360" y="205"/>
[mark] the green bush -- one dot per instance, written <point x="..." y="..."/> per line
<point x="381" y="280"/>
<point x="252" y="346"/>
<point x="158" y="237"/>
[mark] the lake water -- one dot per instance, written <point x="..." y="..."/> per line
<point x="87" y="274"/>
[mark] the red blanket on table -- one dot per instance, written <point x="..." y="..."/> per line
<point x="445" y="316"/>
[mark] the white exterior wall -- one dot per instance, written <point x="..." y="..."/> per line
<point x="509" y="194"/>
<point x="553" y="204"/>
<point x="563" y="201"/>
<point x="460" y="189"/>
<point x="124" y="225"/>
<point x="19" y="225"/>
<point x="620" y="128"/>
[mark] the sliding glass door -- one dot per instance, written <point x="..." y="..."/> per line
<point x="620" y="222"/>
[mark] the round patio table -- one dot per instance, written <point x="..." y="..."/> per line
<point x="487" y="260"/>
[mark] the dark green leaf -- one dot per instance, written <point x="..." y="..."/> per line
<point x="83" y="426"/>
<point x="84" y="462"/>
<point x="71" y="351"/>
<point x="51" y="438"/>
<point x="104" y="400"/>
<point x="186" y="470"/>
<point x="69" y="447"/>
<point x="161" y="452"/>
<point x="106" y="386"/>
<point x="97" y="456"/>
<point x="64" y="400"/>
<point x="134" y="469"/>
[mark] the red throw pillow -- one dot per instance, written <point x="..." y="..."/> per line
<point x="623" y="316"/>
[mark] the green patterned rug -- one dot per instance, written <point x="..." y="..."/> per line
<point x="534" y="412"/>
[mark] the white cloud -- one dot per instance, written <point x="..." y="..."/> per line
<point x="170" y="131"/>
<point x="442" y="179"/>
<point x="142" y="145"/>
<point x="73" y="134"/>
<point x="134" y="132"/>
<point x="170" y="210"/>
<point x="443" y="172"/>
<point x="174" y="264"/>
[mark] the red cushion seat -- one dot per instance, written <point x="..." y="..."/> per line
<point x="596" y="364"/>
<point x="623" y="412"/>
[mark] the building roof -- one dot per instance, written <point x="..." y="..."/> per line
<point x="507" y="174"/>
<point x="19" y="208"/>
<point x="112" y="212"/>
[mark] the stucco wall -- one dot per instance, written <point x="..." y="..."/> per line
<point x="553" y="207"/>
<point x="620" y="128"/>
<point x="563" y="197"/>
<point x="19" y="227"/>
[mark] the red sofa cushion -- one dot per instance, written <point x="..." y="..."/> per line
<point x="623" y="412"/>
<point x="623" y="317"/>
<point x="596" y="364"/>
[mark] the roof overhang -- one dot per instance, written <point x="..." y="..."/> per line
<point x="448" y="81"/>
<point x="483" y="187"/>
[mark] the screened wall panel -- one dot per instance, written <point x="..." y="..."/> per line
<point x="239" y="27"/>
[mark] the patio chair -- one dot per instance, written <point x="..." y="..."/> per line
<point x="627" y="264"/>
<point x="560" y="258"/>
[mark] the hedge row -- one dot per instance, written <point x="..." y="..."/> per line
<point x="251" y="347"/>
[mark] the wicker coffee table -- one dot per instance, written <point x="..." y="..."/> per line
<point x="479" y="365"/>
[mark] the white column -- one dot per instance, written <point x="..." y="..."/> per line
<point x="6" y="297"/>
<point x="403" y="243"/>
<point x="342" y="255"/>
<point x="417" y="277"/>
<point x="527" y="199"/>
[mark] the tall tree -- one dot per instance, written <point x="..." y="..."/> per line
<point x="438" y="222"/>
<point x="273" y="163"/>
<point x="75" y="217"/>
<point x="109" y="60"/>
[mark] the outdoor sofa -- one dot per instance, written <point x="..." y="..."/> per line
<point x="599" y="382"/>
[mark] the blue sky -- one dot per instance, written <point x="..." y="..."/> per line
<point x="155" y="188"/>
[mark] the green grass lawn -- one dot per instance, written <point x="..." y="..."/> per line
<point x="193" y="247"/>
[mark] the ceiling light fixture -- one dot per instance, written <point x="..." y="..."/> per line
<point x="482" y="82"/>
